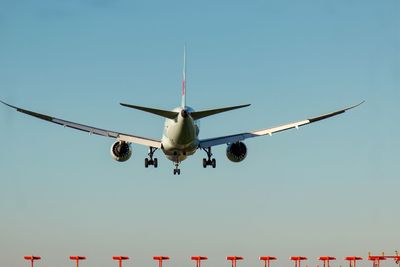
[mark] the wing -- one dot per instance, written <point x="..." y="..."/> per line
<point x="242" y="136"/>
<point x="92" y="130"/>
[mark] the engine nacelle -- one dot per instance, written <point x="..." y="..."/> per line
<point x="121" y="151"/>
<point x="236" y="152"/>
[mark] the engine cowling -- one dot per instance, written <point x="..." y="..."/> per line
<point x="121" y="151"/>
<point x="236" y="152"/>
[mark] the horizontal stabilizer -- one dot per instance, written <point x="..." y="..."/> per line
<point x="205" y="113"/>
<point x="163" y="113"/>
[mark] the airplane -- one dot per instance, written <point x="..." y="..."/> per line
<point x="180" y="138"/>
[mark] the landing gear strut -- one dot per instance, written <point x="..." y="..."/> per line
<point x="177" y="170"/>
<point x="209" y="161"/>
<point x="150" y="161"/>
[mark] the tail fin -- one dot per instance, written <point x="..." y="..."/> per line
<point x="183" y="104"/>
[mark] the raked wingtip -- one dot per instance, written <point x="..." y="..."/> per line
<point x="354" y="106"/>
<point x="6" y="104"/>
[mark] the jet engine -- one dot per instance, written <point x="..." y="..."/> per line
<point x="121" y="151"/>
<point x="236" y="152"/>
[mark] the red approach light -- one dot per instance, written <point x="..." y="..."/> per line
<point x="326" y="260"/>
<point x="376" y="260"/>
<point x="297" y="260"/>
<point x="77" y="259"/>
<point x="198" y="259"/>
<point x="267" y="260"/>
<point x="120" y="259"/>
<point x="353" y="260"/>
<point x="234" y="259"/>
<point x="32" y="259"/>
<point x="160" y="259"/>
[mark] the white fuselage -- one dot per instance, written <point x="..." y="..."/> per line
<point x="180" y="137"/>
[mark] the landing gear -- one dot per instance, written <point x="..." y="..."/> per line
<point x="213" y="163"/>
<point x="177" y="170"/>
<point x="150" y="161"/>
<point x="209" y="161"/>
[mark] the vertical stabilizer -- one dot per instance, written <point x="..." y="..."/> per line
<point x="184" y="79"/>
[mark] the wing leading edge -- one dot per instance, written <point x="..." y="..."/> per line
<point x="242" y="136"/>
<point x="92" y="130"/>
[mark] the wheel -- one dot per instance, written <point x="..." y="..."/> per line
<point x="155" y="163"/>
<point x="204" y="163"/>
<point x="178" y="171"/>
<point x="174" y="171"/>
<point x="146" y="162"/>
<point x="213" y="163"/>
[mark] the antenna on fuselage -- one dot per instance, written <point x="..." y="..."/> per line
<point x="184" y="78"/>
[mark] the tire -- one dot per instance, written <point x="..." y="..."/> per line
<point x="174" y="171"/>
<point x="155" y="163"/>
<point x="204" y="163"/>
<point x="146" y="162"/>
<point x="214" y="163"/>
<point x="178" y="171"/>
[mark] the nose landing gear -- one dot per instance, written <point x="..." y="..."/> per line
<point x="177" y="170"/>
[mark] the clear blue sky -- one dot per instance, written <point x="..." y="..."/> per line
<point x="328" y="188"/>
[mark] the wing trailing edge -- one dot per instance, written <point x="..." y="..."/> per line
<point x="242" y="136"/>
<point x="90" y="129"/>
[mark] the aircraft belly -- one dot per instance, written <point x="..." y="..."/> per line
<point x="170" y="147"/>
<point x="180" y="138"/>
<point x="178" y="152"/>
<point x="182" y="133"/>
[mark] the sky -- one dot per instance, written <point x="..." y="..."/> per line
<point x="330" y="188"/>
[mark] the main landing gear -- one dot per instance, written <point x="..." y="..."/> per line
<point x="209" y="161"/>
<point x="150" y="161"/>
<point x="177" y="170"/>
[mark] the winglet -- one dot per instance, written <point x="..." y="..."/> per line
<point x="328" y="115"/>
<point x="14" y="107"/>
<point x="362" y="102"/>
<point x="7" y="104"/>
